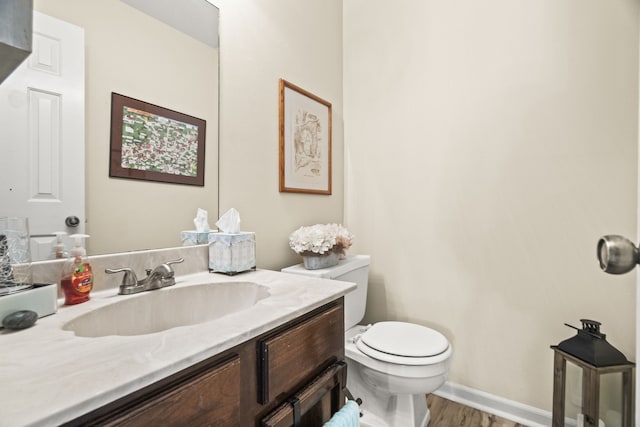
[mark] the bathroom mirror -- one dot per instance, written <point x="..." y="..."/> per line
<point x="130" y="50"/>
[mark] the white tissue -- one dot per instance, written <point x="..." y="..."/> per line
<point x="229" y="222"/>
<point x="202" y="221"/>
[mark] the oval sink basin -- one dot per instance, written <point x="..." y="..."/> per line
<point x="162" y="309"/>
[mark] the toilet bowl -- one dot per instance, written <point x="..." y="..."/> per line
<point x="391" y="365"/>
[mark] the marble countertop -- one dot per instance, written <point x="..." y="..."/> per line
<point x="49" y="376"/>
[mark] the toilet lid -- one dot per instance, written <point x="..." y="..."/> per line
<point x="401" y="339"/>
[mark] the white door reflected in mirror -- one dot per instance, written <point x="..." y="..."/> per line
<point x="42" y="113"/>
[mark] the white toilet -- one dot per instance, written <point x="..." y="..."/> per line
<point x="391" y="365"/>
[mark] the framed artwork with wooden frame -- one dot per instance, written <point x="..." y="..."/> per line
<point x="153" y="143"/>
<point x="305" y="141"/>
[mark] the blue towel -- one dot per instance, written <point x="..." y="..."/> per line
<point x="348" y="416"/>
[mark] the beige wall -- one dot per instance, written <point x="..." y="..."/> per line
<point x="487" y="148"/>
<point x="132" y="54"/>
<point x="488" y="145"/>
<point x="261" y="42"/>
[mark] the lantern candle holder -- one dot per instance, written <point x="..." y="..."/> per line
<point x="590" y="351"/>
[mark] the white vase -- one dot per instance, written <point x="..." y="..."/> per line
<point x="318" y="261"/>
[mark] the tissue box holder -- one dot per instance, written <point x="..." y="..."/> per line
<point x="232" y="253"/>
<point x="192" y="237"/>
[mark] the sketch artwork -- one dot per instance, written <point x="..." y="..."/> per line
<point x="307" y="142"/>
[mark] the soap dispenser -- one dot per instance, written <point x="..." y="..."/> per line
<point x="77" y="278"/>
<point x="58" y="250"/>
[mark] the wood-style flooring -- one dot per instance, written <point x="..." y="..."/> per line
<point x="445" y="413"/>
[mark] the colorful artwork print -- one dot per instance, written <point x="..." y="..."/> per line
<point x="307" y="142"/>
<point x="155" y="143"/>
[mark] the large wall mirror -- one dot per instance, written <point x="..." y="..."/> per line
<point x="134" y="51"/>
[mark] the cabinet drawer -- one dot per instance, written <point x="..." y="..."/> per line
<point x="213" y="398"/>
<point x="292" y="357"/>
<point x="315" y="403"/>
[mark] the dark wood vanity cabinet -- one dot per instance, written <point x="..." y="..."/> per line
<point x="213" y="395"/>
<point x="293" y="372"/>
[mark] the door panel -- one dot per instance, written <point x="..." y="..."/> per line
<point x="42" y="134"/>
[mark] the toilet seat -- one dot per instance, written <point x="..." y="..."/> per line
<point x="403" y="343"/>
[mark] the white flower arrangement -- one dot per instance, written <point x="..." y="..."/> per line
<point x="320" y="239"/>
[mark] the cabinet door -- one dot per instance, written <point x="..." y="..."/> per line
<point x="292" y="357"/>
<point x="212" y="398"/>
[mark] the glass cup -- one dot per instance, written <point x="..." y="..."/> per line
<point x="15" y="255"/>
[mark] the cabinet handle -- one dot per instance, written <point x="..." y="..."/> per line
<point x="295" y="404"/>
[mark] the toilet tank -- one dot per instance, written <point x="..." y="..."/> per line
<point x="355" y="268"/>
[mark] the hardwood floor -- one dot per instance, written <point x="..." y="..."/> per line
<point x="445" y="413"/>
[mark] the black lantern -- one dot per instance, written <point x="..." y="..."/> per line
<point x="590" y="352"/>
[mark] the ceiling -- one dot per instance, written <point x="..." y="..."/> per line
<point x="195" y="18"/>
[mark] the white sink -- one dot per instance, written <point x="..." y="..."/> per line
<point x="162" y="309"/>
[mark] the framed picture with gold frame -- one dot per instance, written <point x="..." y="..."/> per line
<point x="305" y="141"/>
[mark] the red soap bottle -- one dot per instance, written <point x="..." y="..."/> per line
<point x="77" y="277"/>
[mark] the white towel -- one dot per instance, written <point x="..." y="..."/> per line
<point x="348" y="416"/>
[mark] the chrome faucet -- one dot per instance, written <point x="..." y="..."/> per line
<point x="160" y="277"/>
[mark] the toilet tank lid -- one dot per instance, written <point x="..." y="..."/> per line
<point x="344" y="266"/>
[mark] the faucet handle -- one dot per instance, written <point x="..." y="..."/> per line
<point x="129" y="279"/>
<point x="169" y="263"/>
<point x="176" y="261"/>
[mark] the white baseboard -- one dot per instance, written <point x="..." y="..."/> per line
<point x="486" y="402"/>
